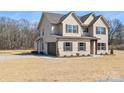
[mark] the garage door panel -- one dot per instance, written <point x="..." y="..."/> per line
<point x="52" y="49"/>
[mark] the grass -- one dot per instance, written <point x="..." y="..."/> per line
<point x="63" y="69"/>
<point x="13" y="52"/>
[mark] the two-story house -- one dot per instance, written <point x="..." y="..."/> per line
<point x="72" y="35"/>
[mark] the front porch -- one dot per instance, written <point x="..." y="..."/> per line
<point x="90" y="48"/>
<point x="93" y="47"/>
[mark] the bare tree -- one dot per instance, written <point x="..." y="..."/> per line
<point x="16" y="34"/>
<point x="115" y="33"/>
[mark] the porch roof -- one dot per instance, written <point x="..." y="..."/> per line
<point x="75" y="38"/>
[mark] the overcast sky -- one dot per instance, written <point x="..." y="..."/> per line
<point x="34" y="16"/>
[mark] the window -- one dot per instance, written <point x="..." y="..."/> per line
<point x="72" y="28"/>
<point x="69" y="28"/>
<point x="86" y="30"/>
<point x="75" y="28"/>
<point x="52" y="28"/>
<point x="100" y="30"/>
<point x="42" y="32"/>
<point x="101" y="46"/>
<point x="68" y="46"/>
<point x="81" y="46"/>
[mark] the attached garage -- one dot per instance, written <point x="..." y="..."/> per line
<point x="52" y="48"/>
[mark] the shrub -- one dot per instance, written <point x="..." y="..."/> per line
<point x="64" y="55"/>
<point x="106" y="53"/>
<point x="88" y="55"/>
<point x="111" y="51"/>
<point x="83" y="55"/>
<point x="71" y="55"/>
<point x="77" y="54"/>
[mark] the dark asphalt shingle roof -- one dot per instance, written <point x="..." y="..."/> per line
<point x="95" y="19"/>
<point x="57" y="18"/>
<point x="83" y="18"/>
<point x="53" y="17"/>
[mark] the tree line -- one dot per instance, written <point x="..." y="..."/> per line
<point x="20" y="34"/>
<point x="17" y="34"/>
<point x="116" y="34"/>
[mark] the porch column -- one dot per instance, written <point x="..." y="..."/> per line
<point x="94" y="47"/>
<point x="57" y="50"/>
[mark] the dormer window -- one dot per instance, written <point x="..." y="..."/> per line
<point x="72" y="28"/>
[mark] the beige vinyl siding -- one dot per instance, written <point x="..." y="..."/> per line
<point x="74" y="48"/>
<point x="70" y="20"/>
<point x="60" y="29"/>
<point x="89" y="20"/>
<point x="103" y="37"/>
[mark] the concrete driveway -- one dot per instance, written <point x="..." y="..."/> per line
<point x="15" y="57"/>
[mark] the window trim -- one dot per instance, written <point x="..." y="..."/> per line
<point x="101" y="46"/>
<point x="71" y="28"/>
<point x="68" y="48"/>
<point x="100" y="32"/>
<point x="83" y="47"/>
<point x="86" y="30"/>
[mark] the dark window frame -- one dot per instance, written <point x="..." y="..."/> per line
<point x="71" y="28"/>
<point x="67" y="46"/>
<point x="81" y="46"/>
<point x="101" y="46"/>
<point x="43" y="32"/>
<point x="86" y="30"/>
<point x="100" y="30"/>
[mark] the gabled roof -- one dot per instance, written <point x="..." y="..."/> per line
<point x="96" y="18"/>
<point x="74" y="15"/>
<point x="63" y="17"/>
<point x="54" y="18"/>
<point x="85" y="17"/>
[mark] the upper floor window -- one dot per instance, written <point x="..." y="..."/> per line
<point x="86" y="30"/>
<point x="52" y="28"/>
<point x="101" y="46"/>
<point x="43" y="32"/>
<point x="68" y="46"/>
<point x="72" y="28"/>
<point x="100" y="30"/>
<point x="81" y="46"/>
